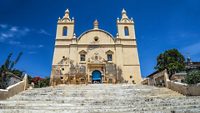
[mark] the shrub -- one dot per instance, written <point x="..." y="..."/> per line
<point x="193" y="77"/>
<point x="41" y="82"/>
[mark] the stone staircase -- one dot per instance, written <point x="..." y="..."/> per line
<point x="100" y="98"/>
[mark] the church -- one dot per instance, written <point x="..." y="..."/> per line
<point x="96" y="56"/>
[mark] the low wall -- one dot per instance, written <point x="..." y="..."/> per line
<point x="185" y="89"/>
<point x="14" y="89"/>
<point x="178" y="87"/>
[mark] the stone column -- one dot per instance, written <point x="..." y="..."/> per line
<point x="104" y="71"/>
<point x="88" y="71"/>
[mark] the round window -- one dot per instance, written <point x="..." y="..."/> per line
<point x="96" y="38"/>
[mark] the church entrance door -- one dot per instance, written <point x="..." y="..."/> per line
<point x="96" y="77"/>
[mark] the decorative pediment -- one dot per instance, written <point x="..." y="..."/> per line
<point x="109" y="52"/>
<point x="82" y="52"/>
<point x="96" y="59"/>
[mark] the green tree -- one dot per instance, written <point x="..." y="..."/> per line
<point x="40" y="82"/>
<point x="6" y="68"/>
<point x="44" y="82"/>
<point x="193" y="77"/>
<point x="172" y="60"/>
<point x="17" y="72"/>
<point x="30" y="78"/>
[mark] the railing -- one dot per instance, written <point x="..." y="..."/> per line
<point x="14" y="89"/>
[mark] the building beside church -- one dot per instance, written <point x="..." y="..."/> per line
<point x="96" y="56"/>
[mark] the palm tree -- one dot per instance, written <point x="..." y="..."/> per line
<point x="7" y="67"/>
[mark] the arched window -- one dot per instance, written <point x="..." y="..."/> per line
<point x="126" y="31"/>
<point x="82" y="57"/>
<point x="64" y="31"/>
<point x="109" y="57"/>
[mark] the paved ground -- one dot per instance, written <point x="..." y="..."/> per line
<point x="100" y="98"/>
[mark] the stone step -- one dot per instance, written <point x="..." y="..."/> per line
<point x="95" y="104"/>
<point x="117" y="109"/>
<point x="100" y="98"/>
<point x="77" y="99"/>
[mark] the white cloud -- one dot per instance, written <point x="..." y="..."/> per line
<point x="40" y="46"/>
<point x="13" y="29"/>
<point x="42" y="31"/>
<point x="32" y="52"/>
<point x="2" y="39"/>
<point x="11" y="34"/>
<point x="177" y="36"/>
<point x="17" y="32"/>
<point x="193" y="49"/>
<point x="12" y="42"/>
<point x="23" y="32"/>
<point x="31" y="46"/>
<point x="3" y="26"/>
<point x="5" y="36"/>
<point x="27" y="29"/>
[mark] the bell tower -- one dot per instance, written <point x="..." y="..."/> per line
<point x="126" y="49"/>
<point x="65" y="27"/>
<point x="125" y="27"/>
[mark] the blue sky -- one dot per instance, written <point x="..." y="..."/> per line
<point x="30" y="26"/>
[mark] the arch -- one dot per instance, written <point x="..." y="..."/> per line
<point x="96" y="76"/>
<point x="65" y="30"/>
<point x="126" y="31"/>
<point x="91" y="30"/>
<point x="82" y="52"/>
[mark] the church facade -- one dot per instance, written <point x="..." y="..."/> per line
<point x="96" y="56"/>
